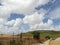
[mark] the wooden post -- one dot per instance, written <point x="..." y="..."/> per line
<point x="21" y="38"/>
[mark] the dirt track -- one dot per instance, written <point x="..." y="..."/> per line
<point x="51" y="42"/>
<point x="55" y="42"/>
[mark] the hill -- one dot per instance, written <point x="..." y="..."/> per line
<point x="43" y="33"/>
<point x="27" y="38"/>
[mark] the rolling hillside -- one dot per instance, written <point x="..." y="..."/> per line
<point x="27" y="38"/>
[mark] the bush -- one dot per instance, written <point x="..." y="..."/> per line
<point x="47" y="37"/>
<point x="36" y="35"/>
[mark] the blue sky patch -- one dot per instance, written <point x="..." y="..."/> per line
<point x="15" y="15"/>
<point x="56" y="21"/>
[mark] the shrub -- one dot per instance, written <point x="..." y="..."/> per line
<point x="36" y="35"/>
<point x="47" y="37"/>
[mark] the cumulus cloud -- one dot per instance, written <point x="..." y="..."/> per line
<point x="18" y="6"/>
<point x="35" y="21"/>
<point x="43" y="2"/>
<point x="10" y="26"/>
<point x="44" y="26"/>
<point x="4" y="12"/>
<point x="57" y="28"/>
<point x="35" y="18"/>
<point x="21" y="6"/>
<point x="32" y="17"/>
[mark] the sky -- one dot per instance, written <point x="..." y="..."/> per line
<point x="29" y="15"/>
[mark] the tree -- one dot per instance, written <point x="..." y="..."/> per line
<point x="36" y="35"/>
<point x="47" y="37"/>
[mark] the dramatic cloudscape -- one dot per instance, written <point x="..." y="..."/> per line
<point x="28" y="15"/>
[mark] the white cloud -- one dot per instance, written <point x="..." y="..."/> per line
<point x="35" y="21"/>
<point x="10" y="22"/>
<point x="10" y="26"/>
<point x="43" y="2"/>
<point x="35" y="18"/>
<point x="43" y="26"/>
<point x="20" y="6"/>
<point x="5" y="12"/>
<point x="55" y="13"/>
<point x="2" y="21"/>
<point x="57" y="28"/>
<point x="17" y="22"/>
<point x="32" y="18"/>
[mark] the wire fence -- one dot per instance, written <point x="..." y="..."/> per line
<point x="17" y="40"/>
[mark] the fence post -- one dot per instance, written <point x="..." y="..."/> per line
<point x="21" y="39"/>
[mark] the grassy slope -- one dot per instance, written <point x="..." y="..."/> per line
<point x="52" y="34"/>
<point x="43" y="34"/>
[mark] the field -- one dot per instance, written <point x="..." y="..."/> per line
<point x="43" y="34"/>
<point x="27" y="38"/>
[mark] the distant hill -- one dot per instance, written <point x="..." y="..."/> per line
<point x="43" y="33"/>
<point x="27" y="38"/>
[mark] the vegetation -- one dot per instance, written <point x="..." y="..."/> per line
<point x="47" y="37"/>
<point x="29" y="37"/>
<point x="43" y="34"/>
<point x="36" y="35"/>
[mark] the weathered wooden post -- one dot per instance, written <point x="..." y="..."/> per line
<point x="21" y="38"/>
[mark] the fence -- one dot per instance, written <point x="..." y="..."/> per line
<point x="17" y="40"/>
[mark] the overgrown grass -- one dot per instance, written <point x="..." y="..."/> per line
<point x="27" y="38"/>
<point x="43" y="34"/>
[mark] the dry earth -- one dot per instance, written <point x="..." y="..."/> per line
<point x="50" y="42"/>
<point x="55" y="42"/>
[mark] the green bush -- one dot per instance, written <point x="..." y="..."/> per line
<point x="47" y="37"/>
<point x="36" y="35"/>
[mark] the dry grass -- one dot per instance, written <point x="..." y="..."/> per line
<point x="27" y="38"/>
<point x="55" y="42"/>
<point x="16" y="40"/>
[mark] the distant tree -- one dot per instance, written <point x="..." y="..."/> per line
<point x="36" y="35"/>
<point x="47" y="37"/>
